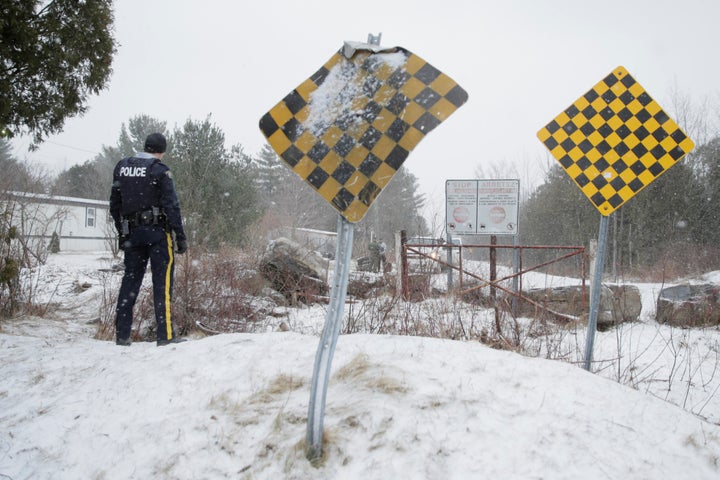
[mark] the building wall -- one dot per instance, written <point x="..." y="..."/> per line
<point x="82" y="225"/>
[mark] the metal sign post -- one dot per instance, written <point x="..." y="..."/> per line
<point x="328" y="340"/>
<point x="493" y="278"/>
<point x="595" y="291"/>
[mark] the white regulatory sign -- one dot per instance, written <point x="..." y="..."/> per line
<point x="482" y="207"/>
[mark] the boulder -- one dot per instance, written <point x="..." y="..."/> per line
<point x="618" y="304"/>
<point x="558" y="303"/>
<point x="365" y="284"/>
<point x="689" y="305"/>
<point x="295" y="271"/>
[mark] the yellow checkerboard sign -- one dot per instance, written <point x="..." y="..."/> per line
<point x="348" y="128"/>
<point x="614" y="141"/>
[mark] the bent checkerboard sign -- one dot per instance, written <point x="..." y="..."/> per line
<point x="614" y="141"/>
<point x="348" y="128"/>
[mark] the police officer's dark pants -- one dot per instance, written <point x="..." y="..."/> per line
<point x="154" y="244"/>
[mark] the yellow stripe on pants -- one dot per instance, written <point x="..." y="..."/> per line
<point x="168" y="319"/>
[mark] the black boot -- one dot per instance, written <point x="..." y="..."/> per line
<point x="163" y="341"/>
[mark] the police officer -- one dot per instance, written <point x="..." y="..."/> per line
<point x="146" y="211"/>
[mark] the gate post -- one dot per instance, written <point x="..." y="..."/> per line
<point x="403" y="289"/>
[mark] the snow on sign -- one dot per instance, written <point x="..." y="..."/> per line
<point x="614" y="141"/>
<point x="485" y="207"/>
<point x="348" y="128"/>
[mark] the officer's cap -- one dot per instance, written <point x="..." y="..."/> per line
<point x="155" y="143"/>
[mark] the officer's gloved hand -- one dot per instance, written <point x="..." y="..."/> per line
<point x="182" y="246"/>
<point x="123" y="242"/>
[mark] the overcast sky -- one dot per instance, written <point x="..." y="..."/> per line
<point x="521" y="61"/>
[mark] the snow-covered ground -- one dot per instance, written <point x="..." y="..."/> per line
<point x="235" y="405"/>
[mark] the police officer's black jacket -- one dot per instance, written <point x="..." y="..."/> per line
<point x="140" y="183"/>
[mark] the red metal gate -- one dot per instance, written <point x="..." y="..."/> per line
<point x="427" y="252"/>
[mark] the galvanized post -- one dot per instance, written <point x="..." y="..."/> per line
<point x="328" y="340"/>
<point x="493" y="277"/>
<point x="595" y="291"/>
<point x="448" y="258"/>
<point x="374" y="39"/>
<point x="515" y="280"/>
<point x="403" y="268"/>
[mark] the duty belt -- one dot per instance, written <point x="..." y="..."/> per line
<point x="145" y="217"/>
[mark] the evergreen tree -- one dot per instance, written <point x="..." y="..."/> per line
<point x="398" y="207"/>
<point x="5" y="150"/>
<point x="215" y="185"/>
<point x="287" y="200"/>
<point x="557" y="213"/>
<point x="81" y="181"/>
<point x="665" y="214"/>
<point x="54" y="55"/>
<point x="707" y="170"/>
<point x="271" y="175"/>
<point x="18" y="176"/>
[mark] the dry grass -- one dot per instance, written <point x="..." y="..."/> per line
<point x="362" y="373"/>
<point x="280" y="385"/>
